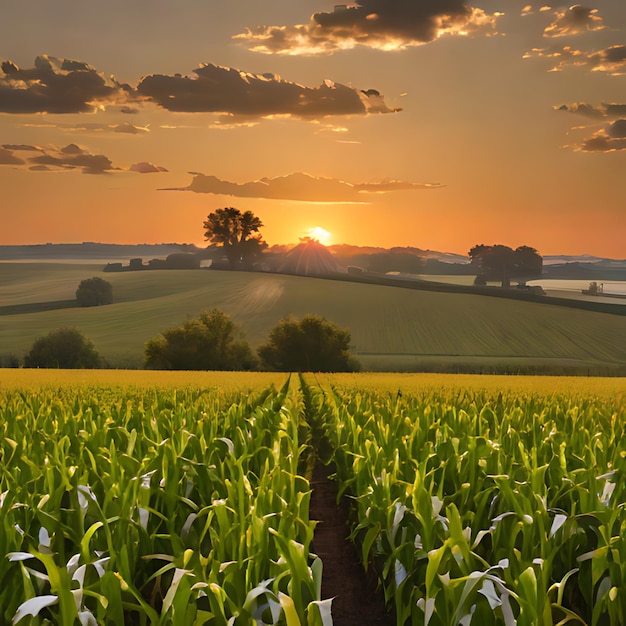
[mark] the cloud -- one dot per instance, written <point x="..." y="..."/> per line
<point x="574" y="21"/>
<point x="598" y="111"/>
<point x="124" y="128"/>
<point x="146" y="168"/>
<point x="217" y="89"/>
<point x="56" y="85"/>
<point x="611" y="60"/>
<point x="21" y="146"/>
<point x="301" y="187"/>
<point x="71" y="157"/>
<point x="381" y="24"/>
<point x="8" y="158"/>
<point x="610" y="136"/>
<point x="612" y="139"/>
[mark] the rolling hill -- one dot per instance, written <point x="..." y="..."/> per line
<point x="392" y="328"/>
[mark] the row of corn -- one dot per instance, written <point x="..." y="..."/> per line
<point x="134" y="506"/>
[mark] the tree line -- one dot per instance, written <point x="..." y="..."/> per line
<point x="213" y="341"/>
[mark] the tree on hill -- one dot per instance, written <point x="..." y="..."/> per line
<point x="94" y="292"/>
<point x="311" y="344"/>
<point x="65" y="348"/>
<point x="234" y="231"/>
<point x="209" y="342"/>
<point x="501" y="263"/>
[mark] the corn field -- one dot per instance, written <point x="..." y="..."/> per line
<point x="190" y="505"/>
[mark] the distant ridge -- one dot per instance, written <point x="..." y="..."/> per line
<point x="554" y="266"/>
<point x="91" y="250"/>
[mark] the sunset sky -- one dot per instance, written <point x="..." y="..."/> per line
<point x="438" y="124"/>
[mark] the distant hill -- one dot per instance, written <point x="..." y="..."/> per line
<point x="555" y="266"/>
<point x="394" y="328"/>
<point x="603" y="269"/>
<point x="347" y="250"/>
<point x="91" y="250"/>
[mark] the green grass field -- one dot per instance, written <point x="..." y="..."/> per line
<point x="392" y="328"/>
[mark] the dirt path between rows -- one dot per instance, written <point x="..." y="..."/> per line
<point x="356" y="601"/>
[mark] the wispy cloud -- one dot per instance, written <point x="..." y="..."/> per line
<point x="574" y="21"/>
<point x="87" y="128"/>
<point x="56" y="85"/>
<point x="611" y="60"/>
<point x="374" y="23"/>
<point x="301" y="187"/>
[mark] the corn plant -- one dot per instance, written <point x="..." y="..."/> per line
<point x="124" y="505"/>
<point x="478" y="508"/>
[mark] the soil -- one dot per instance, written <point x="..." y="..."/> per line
<point x="356" y="599"/>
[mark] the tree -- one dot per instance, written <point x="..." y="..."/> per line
<point x="501" y="263"/>
<point x="312" y="344"/>
<point x="65" y="348"/>
<point x="210" y="342"/>
<point x="94" y="292"/>
<point x="233" y="231"/>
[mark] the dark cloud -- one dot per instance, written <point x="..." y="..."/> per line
<point x="63" y="86"/>
<point x="146" y="168"/>
<point x="574" y="21"/>
<point x="604" y="142"/>
<point x="598" y="111"/>
<point x="611" y="137"/>
<point x="615" y="110"/>
<point x="611" y="60"/>
<point x="71" y="157"/>
<point x="21" y="146"/>
<point x="582" y="108"/>
<point x="8" y="158"/>
<point x="617" y="130"/>
<point x="56" y="85"/>
<point x="382" y="24"/>
<point x="218" y="89"/>
<point x="301" y="187"/>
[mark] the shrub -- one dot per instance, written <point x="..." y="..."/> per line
<point x="65" y="348"/>
<point x="312" y="344"/>
<point x="94" y="292"/>
<point x="210" y="342"/>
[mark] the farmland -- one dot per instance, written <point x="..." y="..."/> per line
<point x="392" y="328"/>
<point x="157" y="498"/>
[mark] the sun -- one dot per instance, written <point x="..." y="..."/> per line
<point x="319" y="233"/>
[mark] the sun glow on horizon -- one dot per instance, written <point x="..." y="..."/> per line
<point x="320" y="234"/>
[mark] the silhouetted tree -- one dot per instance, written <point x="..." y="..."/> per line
<point x="312" y="344"/>
<point x="210" y="342"/>
<point x="65" y="348"/>
<point x="234" y="232"/>
<point x="501" y="263"/>
<point x="94" y="292"/>
<point x="182" y="261"/>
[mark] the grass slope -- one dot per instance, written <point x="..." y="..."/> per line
<point x="392" y="328"/>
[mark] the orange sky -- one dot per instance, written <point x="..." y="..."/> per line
<point x="508" y="125"/>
